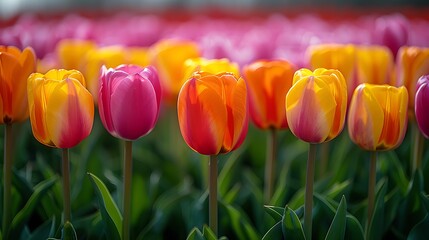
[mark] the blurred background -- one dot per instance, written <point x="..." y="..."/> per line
<point x="9" y="8"/>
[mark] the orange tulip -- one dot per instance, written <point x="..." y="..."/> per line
<point x="374" y="65"/>
<point x="168" y="56"/>
<point x="335" y="56"/>
<point x="61" y="108"/>
<point x="377" y="118"/>
<point x="71" y="52"/>
<point x="268" y="83"/>
<point x="316" y="104"/>
<point x="15" y="67"/>
<point x="412" y="63"/>
<point x="212" y="112"/>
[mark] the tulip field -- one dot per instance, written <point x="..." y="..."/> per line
<point x="266" y="126"/>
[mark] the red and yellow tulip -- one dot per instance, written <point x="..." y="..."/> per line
<point x="316" y="104"/>
<point x="212" y="112"/>
<point x="169" y="56"/>
<point x="268" y="83"/>
<point x="15" y="67"/>
<point x="377" y="118"/>
<point x="61" y="108"/>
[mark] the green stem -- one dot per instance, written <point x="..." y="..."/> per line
<point x="308" y="205"/>
<point x="66" y="185"/>
<point x="7" y="173"/>
<point x="128" y="168"/>
<point x="324" y="156"/>
<point x="213" y="193"/>
<point x="270" y="165"/>
<point x="371" y="188"/>
<point x="417" y="147"/>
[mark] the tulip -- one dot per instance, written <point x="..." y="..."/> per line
<point x="422" y="104"/>
<point x="61" y="114"/>
<point x="216" y="104"/>
<point x="335" y="56"/>
<point x="377" y="121"/>
<point x="374" y="64"/>
<point x="168" y="56"/>
<point x="377" y="116"/>
<point x="129" y="100"/>
<point x="268" y="82"/>
<point x="315" y="109"/>
<point x="212" y="113"/>
<point x="316" y="105"/>
<point x="15" y="67"/>
<point x="71" y="52"/>
<point x="412" y="63"/>
<point x="392" y="31"/>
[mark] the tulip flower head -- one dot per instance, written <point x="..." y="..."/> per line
<point x="335" y="56"/>
<point x="377" y="118"/>
<point x="15" y="67"/>
<point x="422" y="104"/>
<point x="374" y="64"/>
<point x="71" y="52"/>
<point x="129" y="99"/>
<point x="168" y="56"/>
<point x="412" y="63"/>
<point x="212" y="112"/>
<point x="61" y="108"/>
<point x="213" y="66"/>
<point x="268" y="83"/>
<point x="316" y="104"/>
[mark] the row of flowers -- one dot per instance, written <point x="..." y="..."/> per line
<point x="376" y="92"/>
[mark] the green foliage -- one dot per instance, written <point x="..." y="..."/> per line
<point x="170" y="197"/>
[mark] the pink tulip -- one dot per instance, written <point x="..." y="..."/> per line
<point x="422" y="104"/>
<point x="129" y="99"/>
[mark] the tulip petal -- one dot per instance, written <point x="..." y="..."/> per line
<point x="69" y="112"/>
<point x="200" y="106"/>
<point x="310" y="109"/>
<point x="134" y="107"/>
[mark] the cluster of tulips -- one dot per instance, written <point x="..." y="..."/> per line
<point x="373" y="89"/>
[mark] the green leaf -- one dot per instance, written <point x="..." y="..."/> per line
<point x="377" y="222"/>
<point x="109" y="211"/>
<point x="25" y="213"/>
<point x="275" y="212"/>
<point x="68" y="232"/>
<point x="46" y="230"/>
<point x="195" y="234"/>
<point x="208" y="233"/>
<point x="275" y="232"/>
<point x="338" y="225"/>
<point x="354" y="230"/>
<point x="241" y="224"/>
<point x="420" y="231"/>
<point x="291" y="225"/>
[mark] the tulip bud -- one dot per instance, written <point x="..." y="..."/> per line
<point x="61" y="108"/>
<point x="212" y="112"/>
<point x="377" y="118"/>
<point x="129" y="100"/>
<point x="422" y="104"/>
<point x="316" y="105"/>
